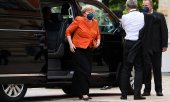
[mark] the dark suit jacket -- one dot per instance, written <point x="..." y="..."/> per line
<point x="152" y="37"/>
<point x="160" y="32"/>
<point x="144" y="43"/>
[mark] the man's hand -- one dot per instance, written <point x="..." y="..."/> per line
<point x="164" y="49"/>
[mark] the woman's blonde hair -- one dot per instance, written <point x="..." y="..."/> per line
<point x="87" y="8"/>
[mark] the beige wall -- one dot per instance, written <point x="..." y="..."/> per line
<point x="165" y="9"/>
<point x="169" y="18"/>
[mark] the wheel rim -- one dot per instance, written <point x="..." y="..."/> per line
<point x="13" y="90"/>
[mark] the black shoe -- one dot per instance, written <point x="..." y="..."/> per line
<point x="146" y="94"/>
<point x="80" y="97"/>
<point x="106" y="87"/>
<point x="139" y="98"/>
<point x="85" y="98"/>
<point x="159" y="93"/>
<point x="123" y="97"/>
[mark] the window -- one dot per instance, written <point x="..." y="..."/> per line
<point x="63" y="8"/>
<point x="104" y="21"/>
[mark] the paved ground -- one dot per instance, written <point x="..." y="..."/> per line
<point x="110" y="95"/>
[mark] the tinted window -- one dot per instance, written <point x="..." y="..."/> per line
<point x="104" y="20"/>
<point x="64" y="8"/>
<point x="20" y="14"/>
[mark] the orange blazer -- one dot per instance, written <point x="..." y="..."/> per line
<point x="83" y="33"/>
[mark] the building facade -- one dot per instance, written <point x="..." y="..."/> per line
<point x="165" y="9"/>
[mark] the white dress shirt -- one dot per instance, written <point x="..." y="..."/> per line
<point x="132" y="23"/>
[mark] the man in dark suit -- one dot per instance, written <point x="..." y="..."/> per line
<point x="159" y="44"/>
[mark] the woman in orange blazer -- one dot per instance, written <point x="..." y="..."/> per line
<point x="81" y="34"/>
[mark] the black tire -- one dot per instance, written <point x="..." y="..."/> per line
<point x="12" y="92"/>
<point x="67" y="90"/>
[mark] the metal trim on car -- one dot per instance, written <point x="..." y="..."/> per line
<point x="22" y="75"/>
<point x="21" y="30"/>
<point x="99" y="74"/>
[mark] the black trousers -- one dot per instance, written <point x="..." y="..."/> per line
<point x="126" y="70"/>
<point x="83" y="65"/>
<point x="154" y="65"/>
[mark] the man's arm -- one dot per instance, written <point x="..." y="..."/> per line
<point x="164" y="33"/>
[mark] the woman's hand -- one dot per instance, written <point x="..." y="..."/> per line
<point x="97" y="44"/>
<point x="72" y="47"/>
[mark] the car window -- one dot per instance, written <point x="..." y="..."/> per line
<point x="62" y="8"/>
<point x="20" y="14"/>
<point x="104" y="20"/>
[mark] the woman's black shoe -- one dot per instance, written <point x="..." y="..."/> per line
<point x="80" y="97"/>
<point x="123" y="97"/>
<point x="84" y="98"/>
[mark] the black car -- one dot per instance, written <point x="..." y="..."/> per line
<point x="35" y="53"/>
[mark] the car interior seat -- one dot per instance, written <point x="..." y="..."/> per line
<point x="56" y="45"/>
<point x="55" y="36"/>
<point x="65" y="12"/>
